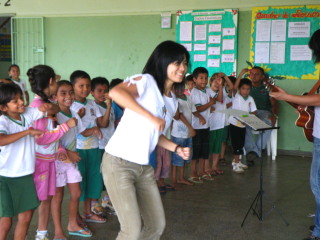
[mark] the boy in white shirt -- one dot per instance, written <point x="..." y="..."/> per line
<point x="242" y="101"/>
<point x="201" y="99"/>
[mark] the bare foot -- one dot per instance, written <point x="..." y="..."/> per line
<point x="185" y="182"/>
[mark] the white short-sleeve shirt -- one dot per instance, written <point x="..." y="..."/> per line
<point x="217" y="119"/>
<point x="239" y="103"/>
<point x="108" y="131"/>
<point x="89" y="120"/>
<point x="171" y="109"/>
<point x="200" y="97"/>
<point x="136" y="137"/>
<point x="179" y="129"/>
<point x="18" y="158"/>
<point x="69" y="139"/>
<point x="316" y="123"/>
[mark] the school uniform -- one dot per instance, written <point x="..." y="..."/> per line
<point x="17" y="164"/>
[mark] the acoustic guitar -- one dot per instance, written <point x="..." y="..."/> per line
<point x="306" y="113"/>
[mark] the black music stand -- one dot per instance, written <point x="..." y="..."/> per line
<point x="257" y="206"/>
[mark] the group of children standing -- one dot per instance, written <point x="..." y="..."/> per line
<point x="203" y="126"/>
<point x="41" y="149"/>
<point x="42" y="145"/>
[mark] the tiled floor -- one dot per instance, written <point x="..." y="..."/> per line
<point x="214" y="210"/>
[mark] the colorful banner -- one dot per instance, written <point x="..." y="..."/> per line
<point x="279" y="40"/>
<point x="5" y="47"/>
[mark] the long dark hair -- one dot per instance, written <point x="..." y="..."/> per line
<point x="314" y="45"/>
<point x="39" y="78"/>
<point x="165" y="53"/>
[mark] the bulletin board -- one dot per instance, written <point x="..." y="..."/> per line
<point x="280" y="37"/>
<point x="211" y="38"/>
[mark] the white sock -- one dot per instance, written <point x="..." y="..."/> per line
<point x="43" y="232"/>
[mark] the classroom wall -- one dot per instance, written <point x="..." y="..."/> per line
<point x="119" y="43"/>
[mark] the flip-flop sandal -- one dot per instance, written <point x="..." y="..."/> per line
<point x="80" y="233"/>
<point x="207" y="177"/>
<point x="170" y="187"/>
<point x="162" y="190"/>
<point x="217" y="172"/>
<point x="87" y="218"/>
<point x="195" y="180"/>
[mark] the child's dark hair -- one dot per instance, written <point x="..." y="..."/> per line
<point x="39" y="78"/>
<point x="314" y="45"/>
<point x="199" y="70"/>
<point x="12" y="66"/>
<point x="64" y="82"/>
<point x="115" y="82"/>
<point x="245" y="81"/>
<point x="99" y="81"/>
<point x="233" y="79"/>
<point x="78" y="74"/>
<point x="164" y="54"/>
<point x="8" y="91"/>
<point x="189" y="78"/>
<point x="179" y="85"/>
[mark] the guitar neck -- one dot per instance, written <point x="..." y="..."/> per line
<point x="274" y="89"/>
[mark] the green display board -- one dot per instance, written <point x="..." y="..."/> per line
<point x="210" y="36"/>
<point x="279" y="40"/>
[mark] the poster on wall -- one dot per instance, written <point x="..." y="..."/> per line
<point x="211" y="38"/>
<point x="279" y="40"/>
<point x="5" y="39"/>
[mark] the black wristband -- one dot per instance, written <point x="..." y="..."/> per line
<point x="175" y="150"/>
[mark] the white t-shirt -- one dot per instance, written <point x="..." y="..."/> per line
<point x="69" y="139"/>
<point x="108" y="131"/>
<point x="22" y="84"/>
<point x="89" y="120"/>
<point x="316" y="123"/>
<point x="186" y="107"/>
<point x="136" y="137"/>
<point x="18" y="158"/>
<point x="239" y="103"/>
<point x="216" y="119"/>
<point x="171" y="110"/>
<point x="198" y="98"/>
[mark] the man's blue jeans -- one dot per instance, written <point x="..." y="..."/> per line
<point x="315" y="183"/>
<point x="252" y="145"/>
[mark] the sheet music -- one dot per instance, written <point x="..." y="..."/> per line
<point x="252" y="121"/>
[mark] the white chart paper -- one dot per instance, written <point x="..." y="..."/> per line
<point x="200" y="32"/>
<point x="200" y="47"/>
<point x="263" y="28"/>
<point x="300" y="53"/>
<point x="213" y="50"/>
<point x="227" y="57"/>
<point x="214" y="39"/>
<point x="277" y="52"/>
<point x="186" y="31"/>
<point x="278" y="30"/>
<point x="229" y="31"/>
<point x="188" y="46"/>
<point x="261" y="53"/>
<point x="214" y="63"/>
<point x="228" y="44"/>
<point x="215" y="27"/>
<point x="199" y="57"/>
<point x="299" y="30"/>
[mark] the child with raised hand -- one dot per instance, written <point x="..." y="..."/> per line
<point x="201" y="98"/>
<point x="14" y="75"/>
<point x="17" y="158"/>
<point x="43" y="82"/>
<point x="67" y="173"/>
<point x="182" y="133"/>
<point x="88" y="147"/>
<point x="100" y="93"/>
<point x="242" y="101"/>
<point x="217" y="119"/>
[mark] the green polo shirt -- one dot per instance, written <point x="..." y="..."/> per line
<point x="261" y="97"/>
